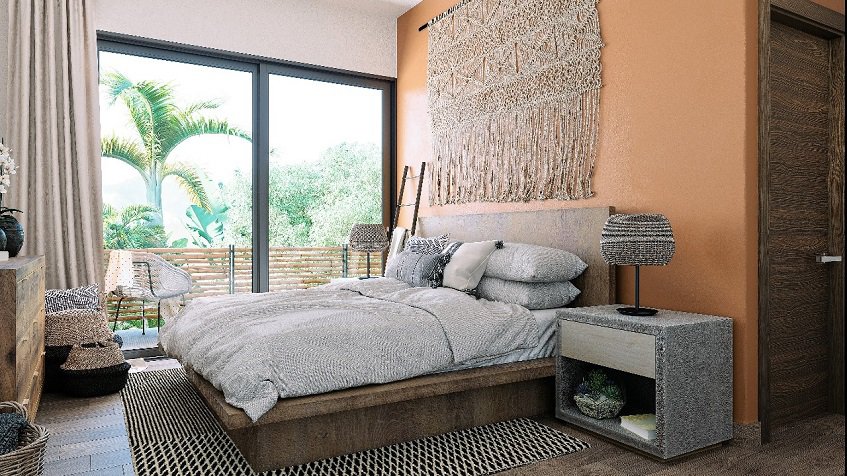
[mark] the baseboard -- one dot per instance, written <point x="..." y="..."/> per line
<point x="747" y="435"/>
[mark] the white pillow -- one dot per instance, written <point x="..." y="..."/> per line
<point x="467" y="264"/>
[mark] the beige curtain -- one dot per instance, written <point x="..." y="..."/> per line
<point x="53" y="121"/>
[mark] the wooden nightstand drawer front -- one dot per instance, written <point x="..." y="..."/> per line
<point x="622" y="350"/>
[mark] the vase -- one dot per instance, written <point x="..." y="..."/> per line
<point x="2" y="240"/>
<point x="14" y="234"/>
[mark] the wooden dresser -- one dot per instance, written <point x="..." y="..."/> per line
<point x="22" y="330"/>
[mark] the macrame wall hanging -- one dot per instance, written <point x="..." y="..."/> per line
<point x="513" y="98"/>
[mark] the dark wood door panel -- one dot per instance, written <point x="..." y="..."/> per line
<point x="797" y="201"/>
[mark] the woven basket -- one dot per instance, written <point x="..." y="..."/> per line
<point x="95" y="382"/>
<point x="75" y="326"/>
<point x="54" y="357"/>
<point x="28" y="459"/>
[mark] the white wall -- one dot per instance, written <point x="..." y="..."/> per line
<point x="325" y="33"/>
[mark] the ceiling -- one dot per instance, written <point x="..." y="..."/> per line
<point x="393" y="8"/>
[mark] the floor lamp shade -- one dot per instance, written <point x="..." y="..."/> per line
<point x="636" y="240"/>
<point x="119" y="273"/>
<point x="368" y="237"/>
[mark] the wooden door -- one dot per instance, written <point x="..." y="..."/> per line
<point x="801" y="210"/>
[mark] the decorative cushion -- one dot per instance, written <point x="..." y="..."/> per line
<point x="416" y="269"/>
<point x="534" y="264"/>
<point x="11" y="425"/>
<point x="528" y="295"/>
<point x="398" y="241"/>
<point x="85" y="297"/>
<point x="467" y="263"/>
<point x="427" y="246"/>
<point x="75" y="326"/>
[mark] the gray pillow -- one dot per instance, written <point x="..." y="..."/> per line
<point x="533" y="264"/>
<point x="416" y="269"/>
<point x="528" y="295"/>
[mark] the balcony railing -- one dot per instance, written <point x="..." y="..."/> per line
<point x="229" y="270"/>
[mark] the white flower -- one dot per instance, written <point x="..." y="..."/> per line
<point x="4" y="151"/>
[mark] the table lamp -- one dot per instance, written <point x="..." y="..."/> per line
<point x="637" y="240"/>
<point x="368" y="237"/>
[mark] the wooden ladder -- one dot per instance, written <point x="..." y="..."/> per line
<point x="417" y="203"/>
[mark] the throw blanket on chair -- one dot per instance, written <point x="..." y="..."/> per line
<point x="257" y="348"/>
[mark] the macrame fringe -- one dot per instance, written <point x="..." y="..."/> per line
<point x="544" y="151"/>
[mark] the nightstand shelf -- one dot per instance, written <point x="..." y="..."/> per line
<point x="676" y="365"/>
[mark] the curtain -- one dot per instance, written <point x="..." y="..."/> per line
<point x="53" y="120"/>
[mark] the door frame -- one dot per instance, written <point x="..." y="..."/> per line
<point x="818" y="20"/>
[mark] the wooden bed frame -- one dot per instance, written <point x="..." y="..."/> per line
<point x="303" y="429"/>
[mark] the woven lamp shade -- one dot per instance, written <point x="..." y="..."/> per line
<point x="643" y="239"/>
<point x="368" y="237"/>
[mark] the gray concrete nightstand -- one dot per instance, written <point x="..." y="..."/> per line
<point x="677" y="365"/>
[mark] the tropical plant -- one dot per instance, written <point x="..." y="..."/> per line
<point x="207" y="227"/>
<point x="162" y="126"/>
<point x="132" y="227"/>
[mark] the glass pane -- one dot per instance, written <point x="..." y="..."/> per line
<point x="177" y="166"/>
<point x="325" y="175"/>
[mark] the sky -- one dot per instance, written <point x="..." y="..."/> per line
<point x="306" y="118"/>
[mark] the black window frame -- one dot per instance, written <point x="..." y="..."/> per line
<point x="261" y="68"/>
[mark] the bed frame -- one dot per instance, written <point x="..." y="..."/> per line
<point x="303" y="429"/>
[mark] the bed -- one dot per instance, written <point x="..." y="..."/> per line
<point x="307" y="428"/>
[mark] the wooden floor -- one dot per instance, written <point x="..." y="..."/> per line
<point x="88" y="437"/>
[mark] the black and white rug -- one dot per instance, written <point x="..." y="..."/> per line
<point x="171" y="432"/>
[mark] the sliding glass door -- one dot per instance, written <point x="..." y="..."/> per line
<point x="326" y="173"/>
<point x="247" y="173"/>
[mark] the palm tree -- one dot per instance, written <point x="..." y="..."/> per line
<point x="132" y="227"/>
<point x="162" y="126"/>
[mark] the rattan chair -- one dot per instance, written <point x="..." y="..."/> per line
<point x="154" y="280"/>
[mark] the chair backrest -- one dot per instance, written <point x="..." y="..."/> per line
<point x="155" y="277"/>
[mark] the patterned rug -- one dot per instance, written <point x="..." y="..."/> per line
<point x="171" y="432"/>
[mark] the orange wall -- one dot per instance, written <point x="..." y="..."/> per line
<point x="678" y="135"/>
<point x="674" y="138"/>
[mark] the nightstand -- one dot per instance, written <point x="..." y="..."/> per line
<point x="677" y="365"/>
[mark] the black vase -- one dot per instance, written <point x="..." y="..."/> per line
<point x="14" y="234"/>
<point x="2" y="240"/>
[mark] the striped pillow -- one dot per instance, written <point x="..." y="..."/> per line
<point x="85" y="297"/>
<point x="427" y="246"/>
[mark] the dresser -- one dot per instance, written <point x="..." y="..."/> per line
<point x="22" y="331"/>
<point x="676" y="365"/>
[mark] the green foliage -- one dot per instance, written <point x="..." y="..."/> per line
<point x="207" y="227"/>
<point x="132" y="227"/>
<point x="312" y="204"/>
<point x="161" y="127"/>
<point x="596" y="383"/>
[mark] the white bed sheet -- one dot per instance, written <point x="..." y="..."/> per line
<point x="546" y="320"/>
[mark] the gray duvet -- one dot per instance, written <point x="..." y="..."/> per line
<point x="257" y="348"/>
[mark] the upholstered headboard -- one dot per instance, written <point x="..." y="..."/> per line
<point x="575" y="229"/>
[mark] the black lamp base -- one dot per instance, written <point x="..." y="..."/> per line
<point x="637" y="311"/>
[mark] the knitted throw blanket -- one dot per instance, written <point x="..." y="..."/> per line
<point x="513" y="98"/>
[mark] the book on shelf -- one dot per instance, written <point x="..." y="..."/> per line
<point x="643" y="425"/>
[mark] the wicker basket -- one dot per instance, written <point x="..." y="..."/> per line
<point x="28" y="459"/>
<point x="95" y="382"/>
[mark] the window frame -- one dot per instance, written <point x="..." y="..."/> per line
<point x="261" y="69"/>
